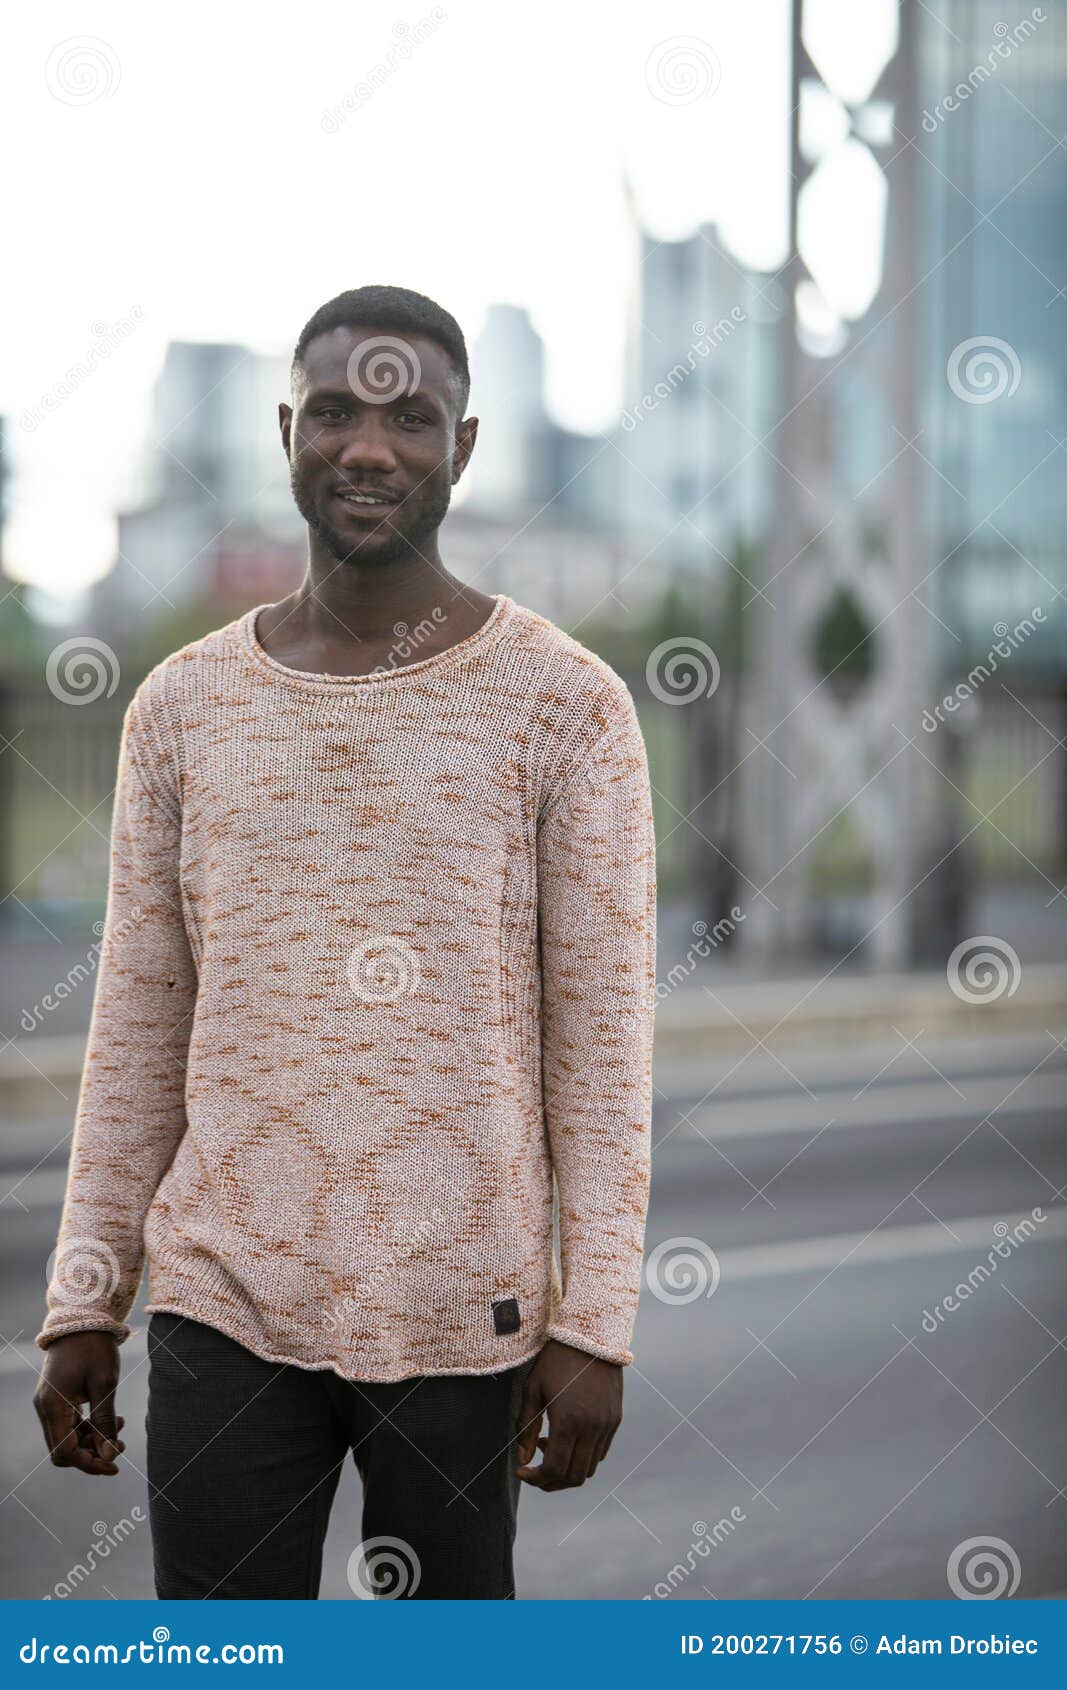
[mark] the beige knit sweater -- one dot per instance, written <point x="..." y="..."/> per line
<point x="378" y="959"/>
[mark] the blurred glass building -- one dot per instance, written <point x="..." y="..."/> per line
<point x="995" y="236"/>
<point x="994" y="114"/>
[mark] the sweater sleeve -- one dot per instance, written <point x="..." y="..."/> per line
<point x="131" y="1106"/>
<point x="597" y="926"/>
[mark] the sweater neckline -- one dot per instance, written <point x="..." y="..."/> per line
<point x="308" y="681"/>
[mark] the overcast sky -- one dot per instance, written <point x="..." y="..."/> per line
<point x="198" y="174"/>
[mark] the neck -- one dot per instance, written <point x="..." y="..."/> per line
<point x="371" y="598"/>
<point x="346" y="618"/>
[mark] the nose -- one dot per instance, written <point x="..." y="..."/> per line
<point x="366" y="446"/>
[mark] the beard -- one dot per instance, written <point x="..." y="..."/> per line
<point x="390" y="542"/>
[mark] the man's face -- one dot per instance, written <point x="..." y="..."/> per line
<point x="373" y="415"/>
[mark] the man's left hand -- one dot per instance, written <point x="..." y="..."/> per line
<point x="582" y="1397"/>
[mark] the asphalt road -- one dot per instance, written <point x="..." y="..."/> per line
<point x="794" y="1426"/>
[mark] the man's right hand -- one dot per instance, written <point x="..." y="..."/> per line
<point x="81" y="1368"/>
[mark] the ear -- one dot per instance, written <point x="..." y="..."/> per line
<point x="285" y="423"/>
<point x="466" y="435"/>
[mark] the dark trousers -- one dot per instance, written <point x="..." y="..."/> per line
<point x="244" y="1457"/>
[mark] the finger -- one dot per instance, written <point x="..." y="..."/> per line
<point x="528" y="1442"/>
<point x="605" y="1444"/>
<point x="92" y="1442"/>
<point x="86" y="1454"/>
<point x="58" y="1419"/>
<point x="583" y="1458"/>
<point x="102" y="1417"/>
<point x="596" y="1458"/>
<point x="79" y="1450"/>
<point x="546" y="1486"/>
<point x="557" y="1458"/>
<point x="584" y="1461"/>
<point x="529" y="1473"/>
<point x="68" y="1436"/>
<point x="529" y="1422"/>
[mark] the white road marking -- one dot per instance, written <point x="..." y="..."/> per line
<point x="883" y="1106"/>
<point x="887" y="1244"/>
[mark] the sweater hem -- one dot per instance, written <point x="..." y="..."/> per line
<point x="393" y="1377"/>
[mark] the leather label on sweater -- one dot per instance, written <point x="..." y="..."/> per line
<point x="506" y="1316"/>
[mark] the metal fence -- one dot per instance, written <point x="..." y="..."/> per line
<point x="60" y="765"/>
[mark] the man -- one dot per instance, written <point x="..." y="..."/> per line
<point x="378" y="974"/>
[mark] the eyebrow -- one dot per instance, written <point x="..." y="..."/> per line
<point x="320" y="395"/>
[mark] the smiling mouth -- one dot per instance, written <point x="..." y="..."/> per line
<point x="361" y="507"/>
<point x="365" y="501"/>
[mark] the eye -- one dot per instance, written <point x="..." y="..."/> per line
<point x="411" y="416"/>
<point x="331" y="413"/>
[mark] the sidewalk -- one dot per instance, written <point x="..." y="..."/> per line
<point x="714" y="1015"/>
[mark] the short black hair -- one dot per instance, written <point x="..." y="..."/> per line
<point x="398" y="309"/>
